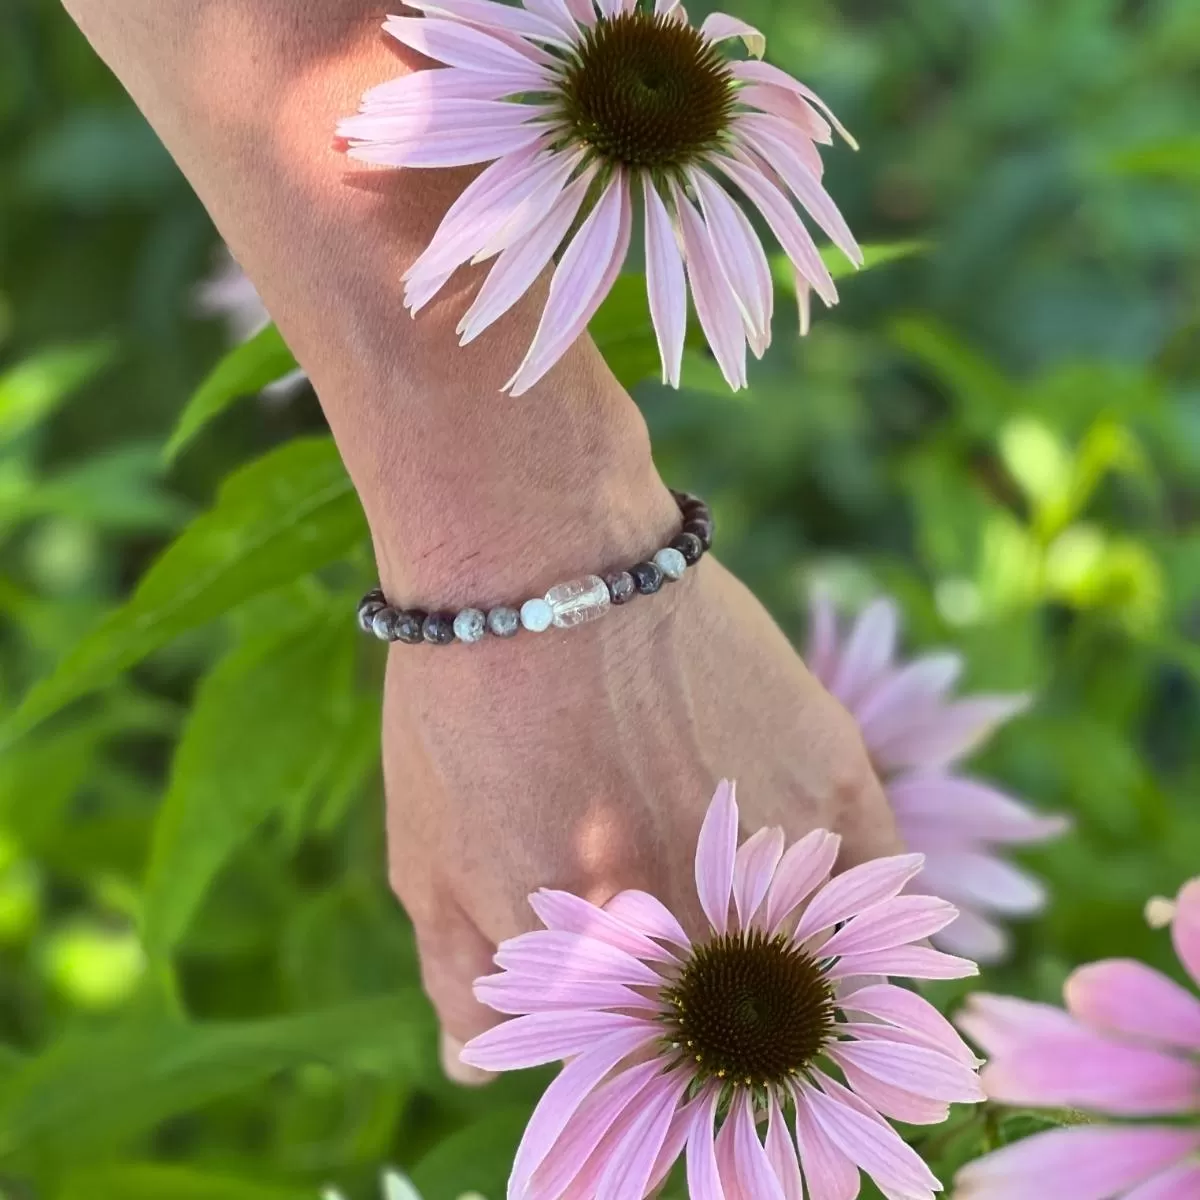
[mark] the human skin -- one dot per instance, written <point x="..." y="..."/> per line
<point x="581" y="760"/>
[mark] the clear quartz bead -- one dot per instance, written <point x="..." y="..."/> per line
<point x="579" y="601"/>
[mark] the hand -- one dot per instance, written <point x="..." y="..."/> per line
<point x="585" y="760"/>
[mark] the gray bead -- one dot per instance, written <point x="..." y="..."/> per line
<point x="503" y="621"/>
<point x="410" y="626"/>
<point x="469" y="625"/>
<point x="438" y="629"/>
<point x="366" y="615"/>
<point x="383" y="626"/>
<point x="670" y="562"/>
<point x="621" y="587"/>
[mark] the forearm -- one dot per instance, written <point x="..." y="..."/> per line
<point x="462" y="485"/>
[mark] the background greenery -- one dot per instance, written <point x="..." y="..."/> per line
<point x="205" y="988"/>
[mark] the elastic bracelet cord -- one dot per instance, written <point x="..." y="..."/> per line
<point x="564" y="606"/>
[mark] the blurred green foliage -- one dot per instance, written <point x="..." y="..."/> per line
<point x="205" y="989"/>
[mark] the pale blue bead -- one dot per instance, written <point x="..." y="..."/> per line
<point x="670" y="562"/>
<point x="536" y="615"/>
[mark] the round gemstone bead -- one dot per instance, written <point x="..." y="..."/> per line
<point x="690" y="546"/>
<point x="470" y="625"/>
<point x="536" y="615"/>
<point x="410" y="626"/>
<point x="621" y="587"/>
<point x="647" y="577"/>
<point x="670" y="562"/>
<point x="383" y="625"/>
<point x="579" y="601"/>
<point x="503" y="621"/>
<point x="439" y="628"/>
<point x="701" y="529"/>
<point x="366" y="614"/>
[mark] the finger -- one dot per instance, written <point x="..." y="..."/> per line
<point x="453" y="955"/>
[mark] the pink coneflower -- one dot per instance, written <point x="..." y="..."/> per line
<point x="1127" y="1046"/>
<point x="916" y="732"/>
<point x="679" y="1046"/>
<point x="583" y="108"/>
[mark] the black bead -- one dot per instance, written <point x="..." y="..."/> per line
<point x="690" y="546"/>
<point x="366" y="614"/>
<point x="439" y="628"/>
<point x="647" y="577"/>
<point x="701" y="529"/>
<point x="621" y="587"/>
<point x="410" y="626"/>
<point x="384" y="624"/>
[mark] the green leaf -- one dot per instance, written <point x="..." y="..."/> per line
<point x="840" y="267"/>
<point x="90" y="1093"/>
<point x="244" y="371"/>
<point x="33" y="389"/>
<point x="476" y="1158"/>
<point x="153" y="1181"/>
<point x="276" y="519"/>
<point x="1172" y="159"/>
<point x="254" y="742"/>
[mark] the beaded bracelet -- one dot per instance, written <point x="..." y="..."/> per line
<point x="565" y="605"/>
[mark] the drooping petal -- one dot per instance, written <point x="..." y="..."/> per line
<point x="753" y="869"/>
<point x="460" y="147"/>
<point x="489" y="15"/>
<point x="1086" y="1070"/>
<point x="542" y="1038"/>
<point x="983" y="881"/>
<point x="822" y="651"/>
<point x="857" y="889"/>
<point x="465" y="47"/>
<point x="703" y="1175"/>
<point x="804" y="867"/>
<point x="867" y="653"/>
<point x="564" y="1096"/>
<point x="887" y="708"/>
<point x="998" y="1023"/>
<point x="718" y="27"/>
<point x="788" y="105"/>
<point x="572" y="914"/>
<point x="918" y="1069"/>
<point x="753" y="1167"/>
<point x="1181" y="1182"/>
<point x="948" y="734"/>
<point x="551" y="952"/>
<point x="715" y="303"/>
<point x="666" y="285"/>
<point x="785" y="224"/>
<point x="519" y="266"/>
<point x="1185" y="929"/>
<point x="675" y="1141"/>
<point x="585" y="275"/>
<point x="781" y="1153"/>
<point x="540" y="191"/>
<point x="425" y="90"/>
<point x="1084" y="1163"/>
<point x="628" y="1171"/>
<point x="1126" y="997"/>
<point x="761" y="134"/>
<point x="973" y="936"/>
<point x="908" y="962"/>
<point x="954" y="811"/>
<point x="740" y="256"/>
<point x="761" y="72"/>
<point x="647" y="915"/>
<point x="891" y="1101"/>
<point x="907" y="1010"/>
<point x="828" y="1171"/>
<point x="715" y="853"/>
<point x="518" y="994"/>
<point x="892" y="923"/>
<point x="574" y="1148"/>
<point x="872" y="1145"/>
